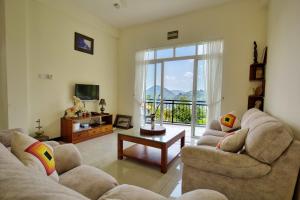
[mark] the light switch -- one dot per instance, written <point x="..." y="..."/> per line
<point x="46" y="76"/>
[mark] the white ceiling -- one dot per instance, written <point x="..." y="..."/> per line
<point x="133" y="12"/>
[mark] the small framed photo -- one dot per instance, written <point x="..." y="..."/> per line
<point x="83" y="43"/>
<point x="123" y="121"/>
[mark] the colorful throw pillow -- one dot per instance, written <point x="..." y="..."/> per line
<point x="34" y="154"/>
<point x="229" y="122"/>
<point x="233" y="142"/>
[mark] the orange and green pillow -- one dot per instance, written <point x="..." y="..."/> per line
<point x="229" y="122"/>
<point x="34" y="154"/>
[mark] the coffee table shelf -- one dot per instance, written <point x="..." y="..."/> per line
<point x="150" y="155"/>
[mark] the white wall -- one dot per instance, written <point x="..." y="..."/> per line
<point x="239" y="23"/>
<point x="283" y="69"/>
<point x="16" y="62"/>
<point x="3" y="91"/>
<point x="47" y="32"/>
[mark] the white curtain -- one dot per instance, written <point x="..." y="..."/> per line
<point x="139" y="87"/>
<point x="213" y="77"/>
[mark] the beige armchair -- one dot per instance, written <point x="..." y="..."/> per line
<point x="267" y="170"/>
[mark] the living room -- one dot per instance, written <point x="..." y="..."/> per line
<point x="40" y="68"/>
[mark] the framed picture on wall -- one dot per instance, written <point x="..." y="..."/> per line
<point x="83" y="43"/>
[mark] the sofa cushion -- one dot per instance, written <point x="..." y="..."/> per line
<point x="233" y="165"/>
<point x="34" y="154"/>
<point x="209" y="140"/>
<point x="130" y="192"/>
<point x="202" y="194"/>
<point x="267" y="138"/>
<point x="19" y="182"/>
<point x="66" y="157"/>
<point x="89" y="181"/>
<point x="233" y="142"/>
<point x="215" y="125"/>
<point x="5" y="135"/>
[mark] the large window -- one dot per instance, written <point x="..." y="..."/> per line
<point x="176" y="85"/>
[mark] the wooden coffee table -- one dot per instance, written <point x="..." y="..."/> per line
<point x="158" y="150"/>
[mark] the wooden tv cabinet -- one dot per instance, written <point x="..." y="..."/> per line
<point x="70" y="135"/>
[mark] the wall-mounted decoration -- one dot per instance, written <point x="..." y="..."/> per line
<point x="172" y="35"/>
<point x="256" y="102"/>
<point x="259" y="91"/>
<point x="255" y="53"/>
<point x="265" y="55"/>
<point x="257" y="70"/>
<point x="83" y="43"/>
<point x="257" y="73"/>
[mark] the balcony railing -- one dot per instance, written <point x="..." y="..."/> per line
<point x="178" y="111"/>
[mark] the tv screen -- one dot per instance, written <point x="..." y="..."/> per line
<point x="87" y="92"/>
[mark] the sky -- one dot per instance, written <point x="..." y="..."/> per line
<point x="178" y="75"/>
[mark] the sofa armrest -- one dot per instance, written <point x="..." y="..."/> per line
<point x="202" y="194"/>
<point x="6" y="135"/>
<point x="215" y="125"/>
<point x="215" y="161"/>
<point x="214" y="133"/>
<point x="66" y="157"/>
<point x="52" y="143"/>
<point x="209" y="140"/>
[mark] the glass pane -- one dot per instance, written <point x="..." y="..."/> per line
<point x="150" y="55"/>
<point x="158" y="93"/>
<point x="164" y="53"/>
<point x="201" y="82"/>
<point x="177" y="93"/>
<point x="150" y="89"/>
<point x="201" y="105"/>
<point x="185" y="51"/>
<point x="153" y="89"/>
<point x="202" y="49"/>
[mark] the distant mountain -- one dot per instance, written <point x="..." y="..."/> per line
<point x="168" y="94"/>
<point x="201" y="96"/>
<point x="175" y="94"/>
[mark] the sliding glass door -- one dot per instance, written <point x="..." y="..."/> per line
<point x="178" y="91"/>
<point x="175" y="88"/>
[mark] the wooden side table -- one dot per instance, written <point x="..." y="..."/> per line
<point x="42" y="138"/>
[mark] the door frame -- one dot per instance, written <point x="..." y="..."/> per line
<point x="196" y="58"/>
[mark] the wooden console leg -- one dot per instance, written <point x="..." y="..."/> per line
<point x="120" y="148"/>
<point x="164" y="159"/>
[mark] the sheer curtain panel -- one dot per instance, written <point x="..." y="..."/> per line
<point x="141" y="62"/>
<point x="213" y="77"/>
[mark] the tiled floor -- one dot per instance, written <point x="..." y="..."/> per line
<point x="102" y="153"/>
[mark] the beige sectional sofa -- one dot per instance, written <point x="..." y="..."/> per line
<point x="76" y="181"/>
<point x="266" y="170"/>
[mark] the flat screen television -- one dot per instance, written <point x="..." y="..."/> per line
<point x="87" y="92"/>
